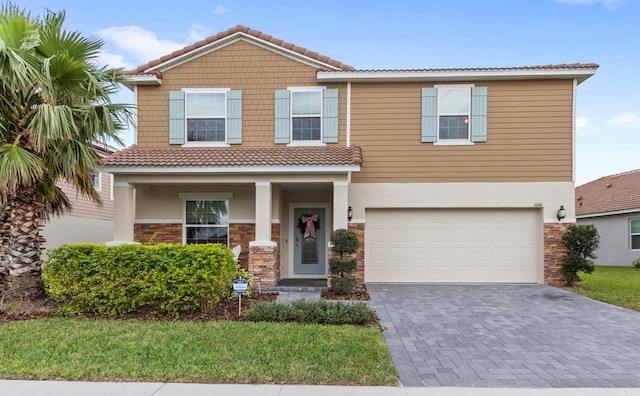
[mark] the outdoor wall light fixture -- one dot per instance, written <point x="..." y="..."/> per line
<point x="349" y="213"/>
<point x="562" y="213"/>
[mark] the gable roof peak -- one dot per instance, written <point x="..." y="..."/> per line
<point x="195" y="48"/>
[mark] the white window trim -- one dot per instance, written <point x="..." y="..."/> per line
<point x="111" y="186"/>
<point x="99" y="187"/>
<point x="202" y="197"/>
<point x="452" y="142"/>
<point x="187" y="143"/>
<point x="306" y="143"/>
<point x="631" y="234"/>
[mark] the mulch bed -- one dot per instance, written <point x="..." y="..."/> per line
<point x="360" y="295"/>
<point x="225" y="310"/>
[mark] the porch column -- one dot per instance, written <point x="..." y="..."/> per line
<point x="264" y="266"/>
<point x="263" y="211"/>
<point x="340" y="204"/>
<point x="123" y="212"/>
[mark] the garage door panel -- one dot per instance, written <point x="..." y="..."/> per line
<point x="456" y="245"/>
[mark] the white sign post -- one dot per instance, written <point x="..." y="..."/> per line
<point x="239" y="286"/>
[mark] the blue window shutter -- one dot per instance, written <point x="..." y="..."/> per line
<point x="283" y="116"/>
<point x="330" y="116"/>
<point x="234" y="117"/>
<point x="429" y="115"/>
<point x="176" y="117"/>
<point x="479" y="114"/>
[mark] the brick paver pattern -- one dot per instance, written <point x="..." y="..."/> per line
<point x="531" y="336"/>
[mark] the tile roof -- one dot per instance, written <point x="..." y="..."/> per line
<point x="229" y="32"/>
<point x="562" y="66"/>
<point x="199" y="157"/>
<point x="609" y="194"/>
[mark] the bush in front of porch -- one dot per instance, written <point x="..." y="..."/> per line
<point x="116" y="280"/>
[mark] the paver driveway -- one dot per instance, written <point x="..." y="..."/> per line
<point x="532" y="336"/>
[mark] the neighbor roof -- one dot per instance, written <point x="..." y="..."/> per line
<point x="203" y="157"/>
<point x="615" y="193"/>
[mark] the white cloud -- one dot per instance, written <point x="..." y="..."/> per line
<point x="220" y="10"/>
<point x="629" y="120"/>
<point x="609" y="4"/>
<point x="582" y="122"/>
<point x="141" y="44"/>
<point x="113" y="60"/>
<point x="197" y="32"/>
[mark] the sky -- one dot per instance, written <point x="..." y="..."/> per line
<point x="410" y="34"/>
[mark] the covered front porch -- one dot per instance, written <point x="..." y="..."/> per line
<point x="281" y="222"/>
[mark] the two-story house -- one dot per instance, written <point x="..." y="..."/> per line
<point x="446" y="175"/>
<point x="87" y="222"/>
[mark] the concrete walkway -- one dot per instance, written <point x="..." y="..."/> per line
<point x="515" y="336"/>
<point x="62" y="388"/>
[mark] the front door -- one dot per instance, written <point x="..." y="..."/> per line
<point x="309" y="250"/>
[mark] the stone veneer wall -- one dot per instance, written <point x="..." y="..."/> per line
<point x="264" y="261"/>
<point x="157" y="232"/>
<point x="554" y="252"/>
<point x="242" y="234"/>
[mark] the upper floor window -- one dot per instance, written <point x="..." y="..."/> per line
<point x="206" y="116"/>
<point x="95" y="177"/>
<point x="454" y="114"/>
<point x="634" y="225"/>
<point x="306" y="116"/>
<point x="454" y="109"/>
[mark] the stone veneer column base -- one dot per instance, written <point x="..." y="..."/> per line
<point x="263" y="263"/>
<point x="554" y="252"/>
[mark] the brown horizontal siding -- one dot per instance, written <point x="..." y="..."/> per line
<point x="84" y="207"/>
<point x="255" y="71"/>
<point x="529" y="135"/>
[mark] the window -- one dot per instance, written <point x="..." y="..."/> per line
<point x="453" y="113"/>
<point x="95" y="176"/>
<point x="635" y="234"/>
<point x="205" y="114"/>
<point x="207" y="221"/>
<point x="306" y="115"/>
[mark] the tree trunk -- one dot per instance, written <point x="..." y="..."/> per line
<point x="20" y="260"/>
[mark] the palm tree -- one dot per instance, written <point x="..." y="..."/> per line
<point x="54" y="106"/>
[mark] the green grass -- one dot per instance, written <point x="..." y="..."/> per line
<point x="209" y="352"/>
<point x="614" y="285"/>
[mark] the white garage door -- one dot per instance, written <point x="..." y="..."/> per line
<point x="453" y="246"/>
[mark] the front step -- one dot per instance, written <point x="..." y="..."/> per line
<point x="298" y="285"/>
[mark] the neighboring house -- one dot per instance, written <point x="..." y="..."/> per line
<point x="452" y="175"/>
<point x="612" y="204"/>
<point x="87" y="222"/>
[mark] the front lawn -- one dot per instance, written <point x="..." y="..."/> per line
<point x="614" y="285"/>
<point x="208" y="352"/>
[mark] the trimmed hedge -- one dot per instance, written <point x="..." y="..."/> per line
<point x="306" y="312"/>
<point x="115" y="280"/>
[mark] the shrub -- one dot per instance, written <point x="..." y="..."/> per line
<point x="581" y="242"/>
<point x="113" y="280"/>
<point x="342" y="269"/>
<point x="636" y="263"/>
<point x="306" y="312"/>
